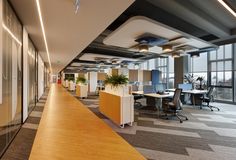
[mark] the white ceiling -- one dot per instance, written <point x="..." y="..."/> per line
<point x="127" y="33"/>
<point x="67" y="33"/>
<point x="93" y="57"/>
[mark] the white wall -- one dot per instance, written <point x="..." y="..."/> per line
<point x="40" y="77"/>
<point x="25" y="74"/>
<point x="93" y="81"/>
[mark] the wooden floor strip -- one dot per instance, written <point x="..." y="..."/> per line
<point x="69" y="130"/>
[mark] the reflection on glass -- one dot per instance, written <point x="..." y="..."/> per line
<point x="10" y="109"/>
<point x="224" y="94"/>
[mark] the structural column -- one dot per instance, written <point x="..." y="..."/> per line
<point x="181" y="67"/>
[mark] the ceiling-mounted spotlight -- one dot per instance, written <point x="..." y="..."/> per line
<point x="195" y="54"/>
<point x="143" y="48"/>
<point x="176" y="54"/>
<point x="77" y="2"/>
<point x="167" y="48"/>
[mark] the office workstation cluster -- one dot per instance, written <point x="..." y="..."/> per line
<point x="135" y="80"/>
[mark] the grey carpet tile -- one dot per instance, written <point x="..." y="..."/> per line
<point x="40" y="104"/>
<point x="33" y="120"/>
<point x="165" y="139"/>
<point x="21" y="145"/>
<point x="97" y="113"/>
<point x="221" y="125"/>
<point x="165" y="142"/>
<point x="39" y="108"/>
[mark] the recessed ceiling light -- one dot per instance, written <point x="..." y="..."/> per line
<point x="176" y="54"/>
<point x="43" y="30"/>
<point x="227" y="7"/>
<point x="195" y="54"/>
<point x="167" y="48"/>
<point x="143" y="48"/>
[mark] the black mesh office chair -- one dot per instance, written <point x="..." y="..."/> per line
<point x="137" y="97"/>
<point x="207" y="99"/>
<point x="175" y="106"/>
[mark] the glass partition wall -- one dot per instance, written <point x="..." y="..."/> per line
<point x="11" y="106"/>
<point x="31" y="76"/>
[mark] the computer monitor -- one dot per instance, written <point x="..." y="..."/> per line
<point x="185" y="86"/>
<point x="160" y="87"/>
<point x="148" y="89"/>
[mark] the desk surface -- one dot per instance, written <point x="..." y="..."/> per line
<point x="69" y="130"/>
<point x="137" y="92"/>
<point x="194" y="91"/>
<point x="170" y="94"/>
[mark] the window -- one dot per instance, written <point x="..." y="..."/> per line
<point x="162" y="66"/>
<point x="221" y="72"/>
<point x="199" y="69"/>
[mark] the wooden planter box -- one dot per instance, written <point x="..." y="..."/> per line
<point x="117" y="108"/>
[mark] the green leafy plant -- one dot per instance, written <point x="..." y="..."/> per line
<point x="200" y="79"/>
<point x="69" y="79"/>
<point x="81" y="80"/>
<point x="116" y="80"/>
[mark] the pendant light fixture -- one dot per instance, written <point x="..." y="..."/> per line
<point x="176" y="54"/>
<point x="143" y="48"/>
<point x="167" y="48"/>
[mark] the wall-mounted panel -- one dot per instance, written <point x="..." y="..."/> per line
<point x="102" y="76"/>
<point x="133" y="75"/>
<point x="147" y="76"/>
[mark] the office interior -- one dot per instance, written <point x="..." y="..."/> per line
<point x="132" y="79"/>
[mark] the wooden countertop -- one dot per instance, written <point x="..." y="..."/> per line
<point x="68" y="130"/>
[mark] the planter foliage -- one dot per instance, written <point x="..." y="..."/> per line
<point x="81" y="80"/>
<point x="116" y="80"/>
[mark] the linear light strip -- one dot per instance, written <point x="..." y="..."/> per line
<point x="43" y="30"/>
<point x="227" y="7"/>
<point x="12" y="35"/>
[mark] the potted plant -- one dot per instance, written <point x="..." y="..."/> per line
<point x="200" y="79"/>
<point x="116" y="83"/>
<point x="81" y="80"/>
<point x="189" y="78"/>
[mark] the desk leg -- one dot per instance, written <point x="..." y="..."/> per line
<point x="194" y="100"/>
<point x="158" y="106"/>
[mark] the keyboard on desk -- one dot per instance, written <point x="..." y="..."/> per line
<point x="162" y="93"/>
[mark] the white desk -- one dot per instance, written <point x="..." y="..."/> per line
<point x="158" y="98"/>
<point x="137" y="92"/>
<point x="192" y="92"/>
<point x="195" y="92"/>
